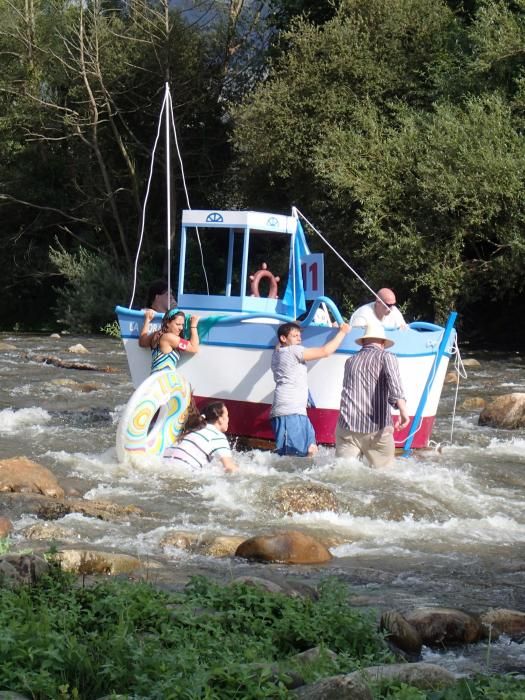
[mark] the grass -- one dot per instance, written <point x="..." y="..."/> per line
<point x="59" y="640"/>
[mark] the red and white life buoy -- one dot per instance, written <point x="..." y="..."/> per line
<point x="261" y="274"/>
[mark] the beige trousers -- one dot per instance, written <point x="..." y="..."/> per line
<point x="378" y="448"/>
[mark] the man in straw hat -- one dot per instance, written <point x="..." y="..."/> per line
<point x="371" y="384"/>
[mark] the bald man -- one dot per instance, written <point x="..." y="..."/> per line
<point x="383" y="310"/>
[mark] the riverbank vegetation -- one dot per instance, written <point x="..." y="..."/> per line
<point x="396" y="126"/>
<point x="61" y="639"/>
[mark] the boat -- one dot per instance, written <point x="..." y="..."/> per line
<point x="238" y="329"/>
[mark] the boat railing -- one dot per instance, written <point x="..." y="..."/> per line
<point x="331" y="306"/>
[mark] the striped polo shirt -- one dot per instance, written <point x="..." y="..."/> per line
<point x="371" y="384"/>
<point x="200" y="447"/>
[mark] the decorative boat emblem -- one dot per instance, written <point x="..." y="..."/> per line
<point x="215" y="218"/>
<point x="272" y="221"/>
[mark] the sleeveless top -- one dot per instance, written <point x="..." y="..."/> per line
<point x="162" y="360"/>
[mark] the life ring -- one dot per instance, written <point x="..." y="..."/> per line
<point x="165" y="395"/>
<point x="261" y="274"/>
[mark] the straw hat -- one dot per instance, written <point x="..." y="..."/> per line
<point x="375" y="331"/>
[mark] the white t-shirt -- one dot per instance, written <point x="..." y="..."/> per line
<point x="366" y="314"/>
<point x="200" y="447"/>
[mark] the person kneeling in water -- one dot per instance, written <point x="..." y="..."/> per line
<point x="203" y="439"/>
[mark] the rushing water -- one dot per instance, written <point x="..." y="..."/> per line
<point x="443" y="527"/>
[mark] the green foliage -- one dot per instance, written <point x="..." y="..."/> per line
<point x="60" y="640"/>
<point x="92" y="289"/>
<point x="209" y="641"/>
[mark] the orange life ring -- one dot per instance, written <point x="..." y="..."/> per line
<point x="261" y="274"/>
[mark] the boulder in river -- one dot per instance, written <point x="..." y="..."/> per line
<point x="501" y="621"/>
<point x="400" y="633"/>
<point x="507" y="411"/>
<point x="445" y="626"/>
<point x="291" y="547"/>
<point x="22" y="474"/>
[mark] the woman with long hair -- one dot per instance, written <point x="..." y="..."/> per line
<point x="203" y="439"/>
<point x="167" y="343"/>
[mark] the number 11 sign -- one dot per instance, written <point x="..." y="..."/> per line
<point x="312" y="269"/>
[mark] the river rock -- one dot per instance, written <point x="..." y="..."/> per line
<point x="445" y="626"/>
<point x="21" y="474"/>
<point x="56" y="336"/>
<point x="312" y="656"/>
<point x="401" y="633"/>
<point x="82" y="387"/>
<point x="507" y="411"/>
<point x="471" y="362"/>
<point x="6" y="526"/>
<point x="103" y="510"/>
<point x="17" y="569"/>
<point x="221" y="546"/>
<point x="474" y="403"/>
<point x="421" y="675"/>
<point x="7" y="346"/>
<point x="502" y="621"/>
<point x="78" y="349"/>
<point x="451" y="377"/>
<point x="344" y="687"/>
<point x="292" y="589"/>
<point x="48" y="531"/>
<point x="179" y="539"/>
<point x="90" y="561"/>
<point x="291" y="547"/>
<point x="304" y="498"/>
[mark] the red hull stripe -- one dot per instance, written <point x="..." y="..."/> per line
<point x="253" y="420"/>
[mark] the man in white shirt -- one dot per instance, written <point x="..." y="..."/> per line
<point x="383" y="310"/>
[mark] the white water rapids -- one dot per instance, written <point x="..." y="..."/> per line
<point x="443" y="527"/>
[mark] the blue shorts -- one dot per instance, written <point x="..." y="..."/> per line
<point x="293" y="434"/>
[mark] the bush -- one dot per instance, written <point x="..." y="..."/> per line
<point x="91" y="291"/>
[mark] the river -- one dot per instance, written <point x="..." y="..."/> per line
<point x="443" y="527"/>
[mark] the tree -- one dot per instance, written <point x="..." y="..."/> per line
<point x="372" y="121"/>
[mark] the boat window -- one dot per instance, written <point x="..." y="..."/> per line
<point x="270" y="248"/>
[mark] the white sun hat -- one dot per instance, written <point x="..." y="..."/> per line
<point x="375" y="331"/>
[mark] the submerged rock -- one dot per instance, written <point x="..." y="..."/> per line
<point x="304" y="498"/>
<point x="291" y="547"/>
<point x="507" y="411"/>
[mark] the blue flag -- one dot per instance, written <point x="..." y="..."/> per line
<point x="294" y="288"/>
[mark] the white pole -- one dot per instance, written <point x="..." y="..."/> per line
<point x="168" y="183"/>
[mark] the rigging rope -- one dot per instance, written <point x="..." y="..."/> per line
<point x="356" y="274"/>
<point x="169" y="119"/>
<point x="186" y="192"/>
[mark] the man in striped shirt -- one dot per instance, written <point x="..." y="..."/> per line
<point x="371" y="384"/>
